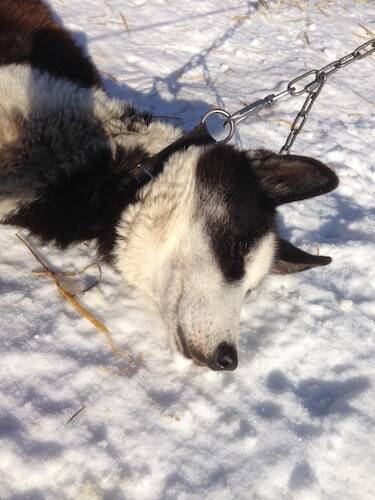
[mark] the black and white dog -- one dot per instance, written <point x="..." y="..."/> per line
<point x="195" y="237"/>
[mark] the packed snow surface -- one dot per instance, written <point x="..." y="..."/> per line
<point x="296" y="419"/>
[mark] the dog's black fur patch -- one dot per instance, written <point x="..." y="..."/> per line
<point x="237" y="212"/>
<point x="85" y="205"/>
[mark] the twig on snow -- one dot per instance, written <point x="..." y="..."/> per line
<point x="125" y="22"/>
<point x="307" y="38"/>
<point x="75" y="415"/>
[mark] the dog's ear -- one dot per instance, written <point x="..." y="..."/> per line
<point x="287" y="178"/>
<point x="290" y="259"/>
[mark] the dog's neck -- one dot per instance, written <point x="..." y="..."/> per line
<point x="150" y="229"/>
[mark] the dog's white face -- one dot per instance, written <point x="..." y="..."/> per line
<point x="204" y="233"/>
<point x="200" y="305"/>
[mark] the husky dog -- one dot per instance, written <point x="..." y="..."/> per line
<point x="195" y="236"/>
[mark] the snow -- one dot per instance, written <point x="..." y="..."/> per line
<point x="296" y="419"/>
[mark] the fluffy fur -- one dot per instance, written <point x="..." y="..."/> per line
<point x="195" y="238"/>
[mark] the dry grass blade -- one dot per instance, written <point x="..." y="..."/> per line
<point x="93" y="264"/>
<point x="82" y="310"/>
<point x="69" y="274"/>
<point x="364" y="98"/>
<point x="46" y="268"/>
<point x="286" y="123"/>
<point x="74" y="302"/>
<point x="322" y="10"/>
<point x="125" y="22"/>
<point x="67" y="296"/>
<point x="75" y="415"/>
<point x="368" y="32"/>
<point x="240" y="18"/>
<point x="73" y="274"/>
<point x="362" y="36"/>
<point x="108" y="5"/>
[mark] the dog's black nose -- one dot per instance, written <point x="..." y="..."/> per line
<point x="225" y="358"/>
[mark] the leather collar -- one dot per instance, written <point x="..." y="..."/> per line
<point x="151" y="167"/>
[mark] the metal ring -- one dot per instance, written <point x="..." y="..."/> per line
<point x="229" y="120"/>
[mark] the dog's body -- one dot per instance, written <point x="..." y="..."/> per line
<point x="195" y="238"/>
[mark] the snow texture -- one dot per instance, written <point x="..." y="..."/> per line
<point x="296" y="419"/>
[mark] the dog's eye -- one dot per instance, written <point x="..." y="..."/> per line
<point x="244" y="246"/>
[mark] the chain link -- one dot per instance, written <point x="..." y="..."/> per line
<point x="313" y="92"/>
<point x="310" y="82"/>
<point x="314" y="88"/>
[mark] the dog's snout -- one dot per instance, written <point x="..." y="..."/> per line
<point x="225" y="357"/>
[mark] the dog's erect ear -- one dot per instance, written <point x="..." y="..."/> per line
<point x="290" y="259"/>
<point x="287" y="178"/>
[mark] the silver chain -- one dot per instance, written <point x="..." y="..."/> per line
<point x="310" y="82"/>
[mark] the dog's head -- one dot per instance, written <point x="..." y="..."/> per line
<point x="204" y="234"/>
